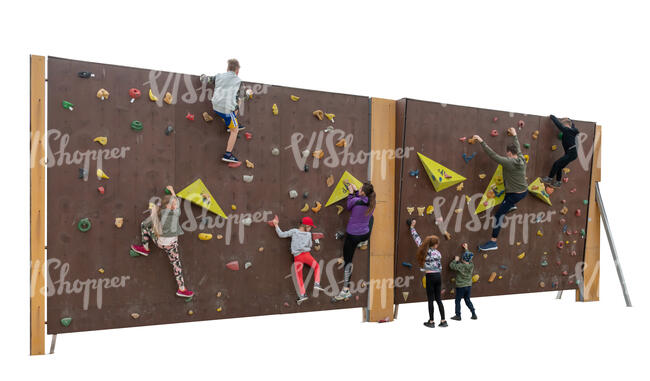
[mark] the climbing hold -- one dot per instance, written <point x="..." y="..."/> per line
<point x="330" y="180"/>
<point x="421" y="211"/>
<point x="582" y="233"/>
<point x="82" y="173"/>
<point x="102" y="94"/>
<point x="135" y="315"/>
<point x="458" y="211"/>
<point x="101" y="140"/>
<point x="318" y="114"/>
<point x="544" y="262"/>
<point x="481" y="176"/>
<point x="537" y="189"/>
<point x="169" y="130"/>
<point x="101" y="174"/>
<point x="190" y="312"/>
<point x="475" y="278"/>
<point x="564" y="210"/>
<point x="463" y="139"/>
<point x="503" y="267"/>
<point x="248" y="178"/>
<point x="406" y="264"/>
<point x="410" y="209"/>
<point x="471" y="141"/>
<point x="565" y="273"/>
<point x="522" y="255"/>
<point x="560" y="244"/>
<point x="305" y="208"/>
<point x="234" y="265"/>
<point x="275" y="109"/>
<point x="189" y="116"/>
<point x="467" y="158"/>
<point x="152" y="97"/>
<point x="485" y="256"/>
<point x="119" y="221"/>
<point x="405" y="295"/>
<point x="527" y="158"/>
<point x="85" y="74"/>
<point x="415" y="173"/>
<point x="566" y="170"/>
<point x="294" y="98"/>
<point x="460" y="187"/>
<point x="234" y="165"/>
<point x="247" y="265"/>
<point x="84" y="225"/>
<point x="233" y="207"/>
<point x="553" y="147"/>
<point x="518" y="243"/>
<point x="447" y="236"/>
<point x="494" y="133"/>
<point x="134" y="94"/>
<point x="133" y="253"/>
<point x="330" y="117"/>
<point x="305" y="153"/>
<point x="67" y="105"/>
<point x="260" y="249"/>
<point x="168" y="98"/>
<point x="101" y="190"/>
<point x="247" y="221"/>
<point x="535" y="134"/>
<point x="316" y="208"/>
<point x="560" y="135"/>
<point x="430" y="209"/>
<point x="494" y="192"/>
<point x="565" y="180"/>
<point x="526" y="145"/>
<point x="542" y="284"/>
<point x="341" y="143"/>
<point x="249" y="93"/>
<point x="248" y="135"/>
<point x="585" y="202"/>
<point x="305" y="195"/>
<point x="539" y="233"/>
<point x="573" y="253"/>
<point x="207" y="117"/>
<point x="521" y="124"/>
<point x="492" y="276"/>
<point x="578" y="212"/>
<point x="318" y="154"/>
<point x="573" y="190"/>
<point x="219" y="236"/>
<point x="66" y="321"/>
<point x="293" y="194"/>
<point x="100" y="270"/>
<point x="205" y="236"/>
<point x="440" y="176"/>
<point x="136" y="125"/>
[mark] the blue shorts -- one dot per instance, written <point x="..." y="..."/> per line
<point x="229" y="119"/>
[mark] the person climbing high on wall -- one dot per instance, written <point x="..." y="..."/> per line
<point x="163" y="228"/>
<point x="569" y="132"/>
<point x="514" y="178"/>
<point x="464" y="268"/>
<point x="429" y="259"/>
<point x="225" y="102"/>
<point x="361" y="204"/>
<point x="301" y="242"/>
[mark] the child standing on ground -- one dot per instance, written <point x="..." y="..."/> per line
<point x="569" y="133"/>
<point x="225" y="102"/>
<point x="301" y="242"/>
<point x="464" y="268"/>
<point x="429" y="259"/>
<point x="163" y="228"/>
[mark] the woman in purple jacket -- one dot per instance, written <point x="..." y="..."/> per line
<point x="361" y="204"/>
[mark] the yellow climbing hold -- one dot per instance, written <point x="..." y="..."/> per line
<point x="538" y="189"/>
<point x="101" y="140"/>
<point x="330" y="117"/>
<point x="219" y="309"/>
<point x="100" y="270"/>
<point x="440" y="176"/>
<point x="205" y="236"/>
<point x="421" y="211"/>
<point x="250" y="164"/>
<point x="275" y="109"/>
<point x="102" y="94"/>
<point x="233" y="207"/>
<point x="539" y="233"/>
<point x="522" y="255"/>
<point x="101" y="174"/>
<point x="198" y="194"/>
<point x="339" y="209"/>
<point x="341" y="190"/>
<point x="460" y="187"/>
<point x="405" y="295"/>
<point x="295" y="98"/>
<point x="305" y="208"/>
<point x="168" y="98"/>
<point x="410" y="209"/>
<point x="475" y="278"/>
<point x="553" y="147"/>
<point x="119" y="221"/>
<point x="492" y="276"/>
<point x="316" y="208"/>
<point x="481" y="176"/>
<point x="152" y="97"/>
<point x="494" y="193"/>
<point x="430" y="209"/>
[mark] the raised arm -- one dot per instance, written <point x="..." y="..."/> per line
<point x="416" y="237"/>
<point x="516" y="142"/>
<point x="493" y="155"/>
<point x="559" y="124"/>
<point x="352" y="199"/>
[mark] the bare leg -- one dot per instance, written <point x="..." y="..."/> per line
<point x="232" y="139"/>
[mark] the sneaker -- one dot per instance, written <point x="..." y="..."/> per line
<point x="557" y="183"/>
<point x="511" y="209"/>
<point x="342" y="296"/>
<point x="547" y="180"/>
<point x="301" y="299"/>
<point x="318" y="287"/>
<point x="140" y="249"/>
<point x="229" y="158"/>
<point x="474" y="317"/>
<point x="184" y="293"/>
<point x="362" y="244"/>
<point x="455" y="317"/>
<point x="429" y="324"/>
<point x="488" y="246"/>
<point x="443" y="324"/>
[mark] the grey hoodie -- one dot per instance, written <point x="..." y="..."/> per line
<point x="300" y="241"/>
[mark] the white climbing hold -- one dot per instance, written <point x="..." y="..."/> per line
<point x="247" y="265"/>
<point x="293" y="194"/>
<point x="248" y="178"/>
<point x="275" y="151"/>
<point x="305" y="153"/>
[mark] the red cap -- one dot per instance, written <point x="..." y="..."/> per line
<point x="308" y="221"/>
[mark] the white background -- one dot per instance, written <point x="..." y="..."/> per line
<point x="586" y="60"/>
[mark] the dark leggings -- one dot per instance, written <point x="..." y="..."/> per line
<point x="349" y="246"/>
<point x="508" y="202"/>
<point x="434" y="286"/>
<point x="558" y="166"/>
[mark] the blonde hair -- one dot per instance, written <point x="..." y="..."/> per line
<point x="233" y="64"/>
<point x="155" y="214"/>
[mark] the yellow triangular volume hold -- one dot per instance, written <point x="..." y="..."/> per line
<point x="341" y="191"/>
<point x="494" y="193"/>
<point x="198" y="194"/>
<point x="440" y="177"/>
<point x="538" y="189"/>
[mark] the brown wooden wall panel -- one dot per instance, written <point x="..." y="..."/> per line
<point x="193" y="151"/>
<point x="434" y="129"/>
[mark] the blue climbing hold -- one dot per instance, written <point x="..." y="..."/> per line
<point x="406" y="264"/>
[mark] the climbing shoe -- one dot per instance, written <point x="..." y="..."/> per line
<point x="488" y="246"/>
<point x="184" y="293"/>
<point x="474" y="317"/>
<point x="343" y="295"/>
<point x="547" y="180"/>
<point x="455" y="317"/>
<point x="318" y="287"/>
<point x="229" y="158"/>
<point x="429" y="324"/>
<point x="140" y="249"/>
<point x="301" y="299"/>
<point x="557" y="184"/>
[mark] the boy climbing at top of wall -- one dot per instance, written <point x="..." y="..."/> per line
<point x="464" y="268"/>
<point x="225" y="102"/>
<point x="514" y="179"/>
<point x="301" y="242"/>
<point x="569" y="132"/>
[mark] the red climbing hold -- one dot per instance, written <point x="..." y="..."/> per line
<point x="134" y="94"/>
<point x="317" y="235"/>
<point x="560" y="244"/>
<point x="100" y="190"/>
<point x="495" y="119"/>
<point x="578" y="212"/>
<point x="562" y="221"/>
<point x="494" y="133"/>
<point x="463" y="139"/>
<point x="521" y="124"/>
<point x="248" y="135"/>
<point x="234" y="165"/>
<point x="189" y="116"/>
<point x="565" y="179"/>
<point x="565" y="273"/>
<point x="234" y="265"/>
<point x="573" y="190"/>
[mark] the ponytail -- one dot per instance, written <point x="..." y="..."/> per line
<point x="369" y="191"/>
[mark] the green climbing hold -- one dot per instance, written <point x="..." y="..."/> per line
<point x="559" y="135"/>
<point x="66" y="321"/>
<point x="83" y="225"/>
<point x="133" y="253"/>
<point x="585" y="202"/>
<point x="526" y="145"/>
<point x="136" y="125"/>
<point x="67" y="105"/>
<point x="167" y="191"/>
<point x="188" y="299"/>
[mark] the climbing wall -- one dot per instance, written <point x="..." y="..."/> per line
<point x="94" y="281"/>
<point x="529" y="258"/>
